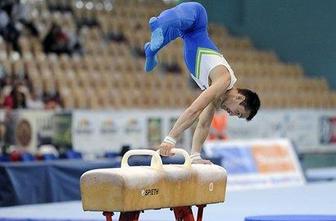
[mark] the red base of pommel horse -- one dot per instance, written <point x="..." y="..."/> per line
<point x="182" y="213"/>
<point x="130" y="190"/>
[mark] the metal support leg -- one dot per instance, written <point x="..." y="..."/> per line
<point x="200" y="212"/>
<point x="183" y="213"/>
<point x="108" y="215"/>
<point x="129" y="216"/>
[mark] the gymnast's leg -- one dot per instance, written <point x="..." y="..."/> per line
<point x="171" y="24"/>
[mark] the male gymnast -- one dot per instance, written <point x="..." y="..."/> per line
<point x="208" y="68"/>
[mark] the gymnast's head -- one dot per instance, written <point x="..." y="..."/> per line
<point x="239" y="102"/>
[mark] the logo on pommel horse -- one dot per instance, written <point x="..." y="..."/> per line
<point x="150" y="192"/>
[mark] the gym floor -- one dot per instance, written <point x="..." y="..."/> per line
<point x="315" y="198"/>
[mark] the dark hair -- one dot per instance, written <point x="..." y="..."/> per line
<point x="251" y="102"/>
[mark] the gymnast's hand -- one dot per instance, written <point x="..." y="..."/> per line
<point x="165" y="149"/>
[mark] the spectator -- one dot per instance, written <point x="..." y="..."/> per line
<point x="8" y="26"/>
<point x="117" y="35"/>
<point x="20" y="14"/>
<point x="3" y="74"/>
<point x="7" y="5"/>
<point x="6" y="84"/>
<point x="20" y="97"/>
<point x="6" y="88"/>
<point x="218" y="126"/>
<point x="52" y="104"/>
<point x="56" y="41"/>
<point x="14" y="91"/>
<point x="62" y="6"/>
<point x="2" y="136"/>
<point x="4" y="19"/>
<point x="47" y="151"/>
<point x="17" y="98"/>
<point x="34" y="102"/>
<point x="11" y="35"/>
<point x="171" y="67"/>
<point x="51" y="99"/>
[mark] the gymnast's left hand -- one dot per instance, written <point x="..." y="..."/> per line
<point x="165" y="149"/>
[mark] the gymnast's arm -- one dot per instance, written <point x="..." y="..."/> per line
<point x="220" y="84"/>
<point x="202" y="128"/>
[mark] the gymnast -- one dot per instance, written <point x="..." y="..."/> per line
<point x="208" y="68"/>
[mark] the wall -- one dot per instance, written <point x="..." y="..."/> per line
<point x="299" y="31"/>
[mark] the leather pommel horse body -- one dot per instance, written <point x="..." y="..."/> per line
<point x="130" y="190"/>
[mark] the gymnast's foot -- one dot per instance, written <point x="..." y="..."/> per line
<point x="200" y="161"/>
<point x="151" y="58"/>
<point x="157" y="34"/>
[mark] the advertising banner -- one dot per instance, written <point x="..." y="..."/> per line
<point x="101" y="131"/>
<point x="254" y="164"/>
<point x="62" y="130"/>
<point x="309" y="130"/>
<point x="33" y="128"/>
<point x="97" y="132"/>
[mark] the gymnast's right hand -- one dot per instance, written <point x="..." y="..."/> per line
<point x="165" y="149"/>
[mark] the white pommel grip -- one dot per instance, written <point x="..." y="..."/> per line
<point x="156" y="162"/>
<point x="187" y="160"/>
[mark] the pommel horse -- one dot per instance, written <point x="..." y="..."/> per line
<point x="132" y="189"/>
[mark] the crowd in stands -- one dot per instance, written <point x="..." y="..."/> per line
<point x="60" y="42"/>
<point x="112" y="47"/>
<point x="16" y="91"/>
<point x="13" y="20"/>
<point x="49" y="152"/>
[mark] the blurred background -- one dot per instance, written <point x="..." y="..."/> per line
<point x="74" y="95"/>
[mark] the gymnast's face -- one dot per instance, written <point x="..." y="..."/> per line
<point x="231" y="103"/>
